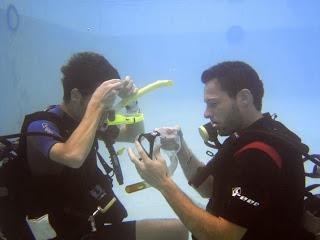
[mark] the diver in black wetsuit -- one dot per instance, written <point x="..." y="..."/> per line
<point x="256" y="183"/>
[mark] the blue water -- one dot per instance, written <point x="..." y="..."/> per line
<point x="176" y="40"/>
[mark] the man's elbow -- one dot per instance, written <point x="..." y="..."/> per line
<point x="62" y="154"/>
<point x="70" y="160"/>
<point x="75" y="161"/>
<point x="75" y="164"/>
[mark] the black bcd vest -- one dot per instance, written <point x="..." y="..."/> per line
<point x="73" y="195"/>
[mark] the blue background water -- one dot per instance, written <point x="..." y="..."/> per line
<point x="176" y="40"/>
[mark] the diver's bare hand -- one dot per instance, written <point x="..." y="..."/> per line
<point x="170" y="137"/>
<point x="154" y="172"/>
<point x="128" y="88"/>
<point x="104" y="96"/>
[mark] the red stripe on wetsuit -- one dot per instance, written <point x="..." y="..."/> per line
<point x="270" y="151"/>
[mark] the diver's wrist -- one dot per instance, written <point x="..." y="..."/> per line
<point x="95" y="107"/>
<point x="184" y="155"/>
<point x="166" y="185"/>
<point x="184" y="147"/>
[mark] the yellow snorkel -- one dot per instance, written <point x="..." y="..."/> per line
<point x="120" y="119"/>
<point x="142" y="91"/>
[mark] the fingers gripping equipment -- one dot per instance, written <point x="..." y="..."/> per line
<point x="151" y="139"/>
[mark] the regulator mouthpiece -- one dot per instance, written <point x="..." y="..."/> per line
<point x="209" y="133"/>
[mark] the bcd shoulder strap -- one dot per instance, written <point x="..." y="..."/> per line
<point x="266" y="148"/>
<point x="42" y="115"/>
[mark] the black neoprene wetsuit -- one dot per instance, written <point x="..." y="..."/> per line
<point x="259" y="184"/>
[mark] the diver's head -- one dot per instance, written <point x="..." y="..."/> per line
<point x="233" y="96"/>
<point x="82" y="74"/>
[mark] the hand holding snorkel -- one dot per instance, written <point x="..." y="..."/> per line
<point x="124" y="89"/>
<point x="129" y="94"/>
<point x="109" y="134"/>
<point x="128" y="88"/>
<point x="130" y="102"/>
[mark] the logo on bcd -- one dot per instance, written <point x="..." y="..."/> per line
<point x="46" y="128"/>
<point x="236" y="192"/>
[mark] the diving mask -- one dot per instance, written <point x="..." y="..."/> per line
<point x="169" y="143"/>
<point x="148" y="139"/>
<point x="135" y="116"/>
<point x="167" y="137"/>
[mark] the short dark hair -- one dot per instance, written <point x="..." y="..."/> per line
<point x="86" y="71"/>
<point x="234" y="76"/>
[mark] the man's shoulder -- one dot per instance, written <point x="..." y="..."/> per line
<point x="273" y="141"/>
<point x="48" y="122"/>
<point x="270" y="132"/>
<point x="43" y="126"/>
<point x="41" y="120"/>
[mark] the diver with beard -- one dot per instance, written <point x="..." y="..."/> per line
<point x="255" y="182"/>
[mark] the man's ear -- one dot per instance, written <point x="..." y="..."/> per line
<point x="244" y="97"/>
<point x="75" y="95"/>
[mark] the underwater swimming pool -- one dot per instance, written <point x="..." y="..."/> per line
<point x="152" y="40"/>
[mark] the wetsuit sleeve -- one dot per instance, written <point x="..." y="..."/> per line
<point x="253" y="182"/>
<point x="43" y="144"/>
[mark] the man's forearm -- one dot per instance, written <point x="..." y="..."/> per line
<point x="190" y="164"/>
<point x="202" y="224"/>
<point x="188" y="161"/>
<point x="76" y="149"/>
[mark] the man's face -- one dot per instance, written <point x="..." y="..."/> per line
<point x="221" y="109"/>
